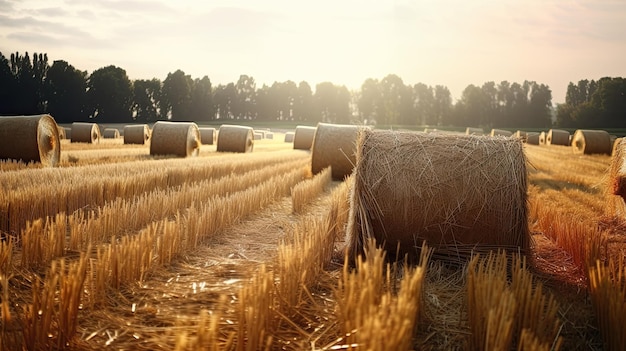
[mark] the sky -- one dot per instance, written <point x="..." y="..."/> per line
<point x="453" y="43"/>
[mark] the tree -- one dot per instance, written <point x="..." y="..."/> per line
<point x="66" y="93"/>
<point x="425" y="105"/>
<point x="8" y="88"/>
<point x="472" y="107"/>
<point x="369" y="101"/>
<point x="442" y="105"/>
<point x="332" y="103"/>
<point x="28" y="96"/>
<point x="392" y="91"/>
<point x="303" y="103"/>
<point x="110" y="95"/>
<point x="202" y="108"/>
<point x="224" y="98"/>
<point x="539" y="107"/>
<point x="243" y="107"/>
<point x="146" y="97"/>
<point x="176" y="96"/>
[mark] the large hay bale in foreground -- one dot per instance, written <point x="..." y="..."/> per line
<point x="457" y="192"/>
<point x="533" y="138"/>
<point x="111" y="133"/>
<point x="30" y="139"/>
<point x="617" y="172"/>
<point x="289" y="137"/>
<point x="136" y="134"/>
<point x="303" y="137"/>
<point x="558" y="137"/>
<point x="85" y="133"/>
<point x="500" y="132"/>
<point x="175" y="138"/>
<point x="474" y="131"/>
<point x="616" y="143"/>
<point x="334" y="145"/>
<point x="589" y="142"/>
<point x="231" y="138"/>
<point x="207" y="135"/>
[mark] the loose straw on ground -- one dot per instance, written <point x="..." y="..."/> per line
<point x="30" y="139"/>
<point x="85" y="133"/>
<point x="175" y="138"/>
<point x="232" y="138"/>
<point x="136" y="134"/>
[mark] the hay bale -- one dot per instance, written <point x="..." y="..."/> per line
<point x="175" y="138"/>
<point x="136" y="134"/>
<point x="474" y="131"/>
<point x="542" y="138"/>
<point x="85" y="133"/>
<point x="30" y="139"/>
<point x="62" y="134"/>
<point x="233" y="138"/>
<point x="334" y="145"/>
<point x="615" y="145"/>
<point x="289" y="137"/>
<point x="520" y="134"/>
<point x="453" y="191"/>
<point x="269" y="135"/>
<point x="500" y="132"/>
<point x="303" y="137"/>
<point x="68" y="133"/>
<point x="258" y="136"/>
<point x="617" y="169"/>
<point x="111" y="133"/>
<point x="533" y="138"/>
<point x="558" y="137"/>
<point x="207" y="135"/>
<point x="589" y="142"/>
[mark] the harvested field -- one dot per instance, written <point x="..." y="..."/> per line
<point x="118" y="249"/>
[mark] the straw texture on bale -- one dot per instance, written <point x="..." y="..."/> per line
<point x="500" y="132"/>
<point x="558" y="137"/>
<point x="475" y="131"/>
<point x="589" y="142"/>
<point x="617" y="169"/>
<point x="258" y="136"/>
<point x="111" y="133"/>
<point x="289" y="137"/>
<point x="175" y="138"/>
<point x="30" y="139"/>
<point x="532" y="138"/>
<point x="542" y="138"/>
<point x="616" y="143"/>
<point x="303" y="137"/>
<point x="335" y="145"/>
<point x="85" y="133"/>
<point x="136" y="134"/>
<point x="233" y="138"/>
<point x="207" y="136"/>
<point x="456" y="192"/>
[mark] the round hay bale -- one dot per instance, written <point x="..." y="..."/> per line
<point x="68" y="133"/>
<point x="615" y="145"/>
<point x="30" y="139"/>
<point x="233" y="138"/>
<point x="61" y="132"/>
<point x="520" y="134"/>
<point x="542" y="138"/>
<point x="175" y="138"/>
<point x="532" y="138"/>
<point x="334" y="145"/>
<point x="136" y="134"/>
<point x="500" y="132"/>
<point x="474" y="131"/>
<point x="589" y="142"/>
<point x="617" y="169"/>
<point x="85" y="133"/>
<point x="111" y="133"/>
<point x="207" y="135"/>
<point x="557" y="137"/>
<point x="452" y="191"/>
<point x="303" y="137"/>
<point x="258" y="136"/>
<point x="269" y="135"/>
<point x="289" y="137"/>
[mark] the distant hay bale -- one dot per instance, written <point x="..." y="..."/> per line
<point x="557" y="137"/>
<point x="232" y="138"/>
<point x="111" y="133"/>
<point x="136" y="134"/>
<point x="542" y="138"/>
<point x="30" y="139"/>
<point x="289" y="137"/>
<point x="592" y="142"/>
<point x="258" y="136"/>
<point x="269" y="135"/>
<point x="175" y="138"/>
<point x="430" y="130"/>
<point x="207" y="136"/>
<point x="61" y="132"/>
<point x="453" y="191"/>
<point x="85" y="133"/>
<point x="500" y="132"/>
<point x="533" y="138"/>
<point x="303" y="137"/>
<point x="334" y="145"/>
<point x="68" y="133"/>
<point x="474" y="131"/>
<point x="520" y="134"/>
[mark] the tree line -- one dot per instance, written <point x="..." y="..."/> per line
<point x="107" y="95"/>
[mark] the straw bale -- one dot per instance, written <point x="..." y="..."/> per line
<point x="520" y="134"/>
<point x="500" y="132"/>
<point x="457" y="192"/>
<point x="474" y="131"/>
<point x="334" y="145"/>
<point x="175" y="138"/>
<point x="289" y="137"/>
<point x="615" y="144"/>
<point x="542" y="138"/>
<point x="617" y="169"/>
<point x="207" y="136"/>
<point x="111" y="133"/>
<point x="30" y="139"/>
<point x="557" y="137"/>
<point x="303" y="137"/>
<point x="68" y="133"/>
<point x="136" y="134"/>
<point x="233" y="138"/>
<point x="533" y="138"/>
<point x="61" y="132"/>
<point x="592" y="142"/>
<point x="258" y="136"/>
<point x="85" y="133"/>
<point x="269" y="135"/>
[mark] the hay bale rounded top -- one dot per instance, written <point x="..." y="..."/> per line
<point x="207" y="135"/>
<point x="233" y="138"/>
<point x="175" y="138"/>
<point x="532" y="138"/>
<point x="303" y="137"/>
<point x="558" y="137"/>
<point x="456" y="192"/>
<point x="111" y="133"/>
<point x="85" y="133"/>
<point x="136" y="134"/>
<point x="500" y="132"/>
<point x="289" y="137"/>
<point x="475" y="131"/>
<point x="335" y="145"/>
<point x="30" y="139"/>
<point x="542" y="138"/>
<point x="589" y="142"/>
